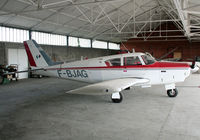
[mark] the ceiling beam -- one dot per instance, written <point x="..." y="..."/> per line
<point x="191" y="12"/>
<point x="128" y="37"/>
<point x="129" y="12"/>
<point x="183" y="16"/>
<point x="145" y="32"/>
<point x="96" y="20"/>
<point x="191" y="7"/>
<point x="55" y="3"/>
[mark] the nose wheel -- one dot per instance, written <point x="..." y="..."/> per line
<point x="172" y="92"/>
<point x="117" y="97"/>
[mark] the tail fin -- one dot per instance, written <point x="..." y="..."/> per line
<point x="36" y="55"/>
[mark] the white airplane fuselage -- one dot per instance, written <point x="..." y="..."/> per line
<point x="95" y="70"/>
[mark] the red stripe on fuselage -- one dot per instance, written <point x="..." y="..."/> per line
<point x="30" y="57"/>
<point x="156" y="65"/>
<point x="168" y="64"/>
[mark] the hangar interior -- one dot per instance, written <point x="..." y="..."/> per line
<point x="70" y="30"/>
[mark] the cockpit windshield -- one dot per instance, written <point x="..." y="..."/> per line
<point x="148" y="59"/>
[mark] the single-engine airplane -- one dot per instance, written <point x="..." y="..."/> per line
<point x="110" y="74"/>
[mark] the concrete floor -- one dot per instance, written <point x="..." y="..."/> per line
<point x="39" y="109"/>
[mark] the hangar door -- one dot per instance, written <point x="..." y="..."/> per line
<point x="19" y="57"/>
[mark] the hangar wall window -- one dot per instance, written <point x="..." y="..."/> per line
<point x="8" y="34"/>
<point x="99" y="44"/>
<point x="49" y="39"/>
<point x="73" y="41"/>
<point x="13" y="34"/>
<point x="114" y="46"/>
<point x="86" y="43"/>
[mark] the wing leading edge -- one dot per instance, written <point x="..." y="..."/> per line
<point x="109" y="87"/>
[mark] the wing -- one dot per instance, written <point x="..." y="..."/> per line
<point x="110" y="86"/>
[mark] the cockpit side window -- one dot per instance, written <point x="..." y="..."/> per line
<point x="130" y="61"/>
<point x="113" y="62"/>
<point x="147" y="59"/>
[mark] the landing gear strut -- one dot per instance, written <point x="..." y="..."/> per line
<point x="117" y="97"/>
<point x="172" y="92"/>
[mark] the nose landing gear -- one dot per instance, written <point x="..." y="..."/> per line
<point x="172" y="92"/>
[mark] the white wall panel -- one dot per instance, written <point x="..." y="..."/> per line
<point x="19" y="57"/>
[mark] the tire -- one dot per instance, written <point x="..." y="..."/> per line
<point x="115" y="100"/>
<point x="172" y="92"/>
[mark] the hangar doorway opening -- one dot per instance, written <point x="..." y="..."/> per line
<point x="19" y="57"/>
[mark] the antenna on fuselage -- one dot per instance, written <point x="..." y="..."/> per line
<point x="125" y="47"/>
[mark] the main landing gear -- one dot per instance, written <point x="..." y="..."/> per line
<point x="117" y="97"/>
<point x="172" y="92"/>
